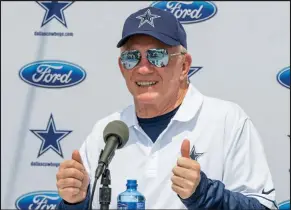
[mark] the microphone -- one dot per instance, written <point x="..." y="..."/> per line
<point x="115" y="136"/>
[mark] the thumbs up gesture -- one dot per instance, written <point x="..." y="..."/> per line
<point x="72" y="179"/>
<point x="186" y="174"/>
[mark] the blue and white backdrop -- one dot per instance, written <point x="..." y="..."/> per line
<point x="59" y="75"/>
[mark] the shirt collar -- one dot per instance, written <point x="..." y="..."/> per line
<point x="190" y="106"/>
<point x="128" y="116"/>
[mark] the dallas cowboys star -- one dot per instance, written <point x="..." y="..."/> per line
<point x="147" y="17"/>
<point x="51" y="138"/>
<point x="193" y="70"/>
<point x="195" y="155"/>
<point x="54" y="9"/>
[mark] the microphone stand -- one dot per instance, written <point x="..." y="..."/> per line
<point x="105" y="190"/>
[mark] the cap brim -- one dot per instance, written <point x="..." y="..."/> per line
<point x="161" y="37"/>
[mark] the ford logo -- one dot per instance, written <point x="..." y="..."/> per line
<point x="283" y="77"/>
<point x="188" y="11"/>
<point x="284" y="205"/>
<point x="52" y="74"/>
<point x="38" y="200"/>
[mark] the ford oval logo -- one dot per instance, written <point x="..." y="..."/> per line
<point x="283" y="77"/>
<point x="284" y="205"/>
<point x="188" y="11"/>
<point x="52" y="74"/>
<point x="38" y="200"/>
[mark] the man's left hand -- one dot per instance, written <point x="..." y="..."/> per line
<point x="186" y="176"/>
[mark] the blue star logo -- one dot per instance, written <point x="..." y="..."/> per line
<point x="54" y="9"/>
<point x="51" y="138"/>
<point x="193" y="70"/>
<point x="195" y="155"/>
<point x="147" y="17"/>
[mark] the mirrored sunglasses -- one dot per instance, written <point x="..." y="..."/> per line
<point x="157" y="57"/>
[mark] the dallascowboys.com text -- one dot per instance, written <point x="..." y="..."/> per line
<point x="44" y="164"/>
<point x="60" y="34"/>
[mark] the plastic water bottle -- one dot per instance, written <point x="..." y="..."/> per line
<point x="131" y="198"/>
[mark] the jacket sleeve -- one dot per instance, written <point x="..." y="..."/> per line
<point x="63" y="205"/>
<point x="211" y="194"/>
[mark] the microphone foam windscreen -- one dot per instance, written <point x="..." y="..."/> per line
<point x="119" y="129"/>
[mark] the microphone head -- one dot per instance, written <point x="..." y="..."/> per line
<point x="119" y="129"/>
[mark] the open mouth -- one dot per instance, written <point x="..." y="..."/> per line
<point x="145" y="84"/>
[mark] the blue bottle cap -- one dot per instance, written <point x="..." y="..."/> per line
<point x="131" y="182"/>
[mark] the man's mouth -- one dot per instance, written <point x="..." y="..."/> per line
<point x="146" y="84"/>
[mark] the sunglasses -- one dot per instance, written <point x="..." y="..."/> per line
<point x="157" y="57"/>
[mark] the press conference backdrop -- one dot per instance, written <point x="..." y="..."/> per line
<point x="59" y="75"/>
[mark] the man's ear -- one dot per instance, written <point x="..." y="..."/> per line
<point x="186" y="67"/>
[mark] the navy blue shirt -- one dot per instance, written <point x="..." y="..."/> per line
<point x="153" y="127"/>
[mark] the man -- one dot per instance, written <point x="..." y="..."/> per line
<point x="226" y="167"/>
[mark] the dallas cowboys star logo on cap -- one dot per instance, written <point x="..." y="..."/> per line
<point x="195" y="155"/>
<point x="51" y="138"/>
<point x="54" y="9"/>
<point x="147" y="17"/>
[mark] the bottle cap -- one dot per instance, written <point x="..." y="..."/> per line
<point x="131" y="182"/>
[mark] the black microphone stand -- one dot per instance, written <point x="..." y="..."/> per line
<point x="105" y="190"/>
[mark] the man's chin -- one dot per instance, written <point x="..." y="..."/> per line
<point x="147" y="98"/>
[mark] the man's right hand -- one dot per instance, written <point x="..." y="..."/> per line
<point x="72" y="179"/>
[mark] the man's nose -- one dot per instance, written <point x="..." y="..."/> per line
<point x="145" y="67"/>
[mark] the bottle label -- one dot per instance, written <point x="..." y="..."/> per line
<point x="130" y="205"/>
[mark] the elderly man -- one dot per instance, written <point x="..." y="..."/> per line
<point x="186" y="150"/>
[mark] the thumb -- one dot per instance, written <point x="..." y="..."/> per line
<point x="77" y="157"/>
<point x="185" y="148"/>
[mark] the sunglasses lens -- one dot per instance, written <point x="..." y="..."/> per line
<point x="158" y="57"/>
<point x="130" y="59"/>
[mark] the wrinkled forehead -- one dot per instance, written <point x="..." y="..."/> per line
<point x="141" y="41"/>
